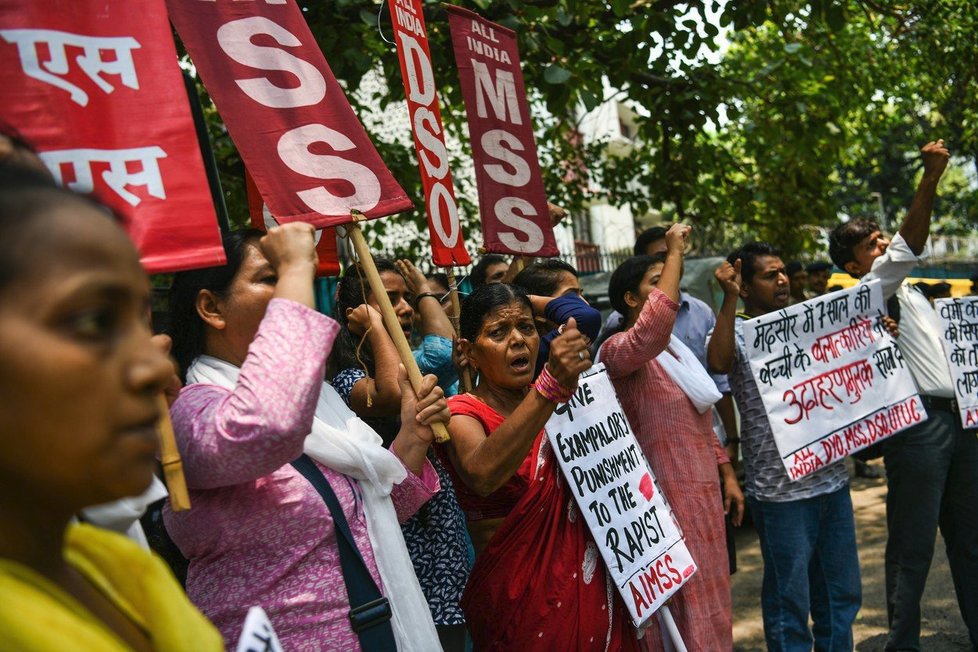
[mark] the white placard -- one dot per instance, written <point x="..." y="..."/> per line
<point x="959" y="319"/>
<point x="633" y="527"/>
<point x="831" y="377"/>
<point x="257" y="634"/>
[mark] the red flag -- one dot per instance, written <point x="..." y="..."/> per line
<point x="447" y="243"/>
<point x="96" y="89"/>
<point x="288" y="116"/>
<point x="512" y="201"/>
<point x="262" y="219"/>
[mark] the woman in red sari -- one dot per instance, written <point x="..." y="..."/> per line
<point x="538" y="580"/>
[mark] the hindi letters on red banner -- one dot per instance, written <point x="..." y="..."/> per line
<point x="311" y="159"/>
<point x="411" y="34"/>
<point x="831" y="378"/>
<point x="512" y="200"/>
<point x="96" y="89"/>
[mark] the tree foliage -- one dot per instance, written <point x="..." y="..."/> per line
<point x="756" y="119"/>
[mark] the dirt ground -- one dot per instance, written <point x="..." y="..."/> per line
<point x="942" y="629"/>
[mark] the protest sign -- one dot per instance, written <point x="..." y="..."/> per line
<point x="633" y="527"/>
<point x="512" y="201"/>
<point x="411" y="34"/>
<point x="959" y="319"/>
<point x="309" y="155"/>
<point x="831" y="377"/>
<point x="95" y="88"/>
<point x="262" y="219"/>
<point x="257" y="634"/>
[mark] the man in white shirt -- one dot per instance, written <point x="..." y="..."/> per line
<point x="932" y="468"/>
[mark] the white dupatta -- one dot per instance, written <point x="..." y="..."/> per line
<point x="686" y="371"/>
<point x="344" y="443"/>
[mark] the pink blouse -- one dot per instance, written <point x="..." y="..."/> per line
<point x="258" y="533"/>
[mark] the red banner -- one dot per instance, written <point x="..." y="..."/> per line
<point x="96" y="89"/>
<point x="262" y="219"/>
<point x="447" y="243"/>
<point x="288" y="116"/>
<point x="512" y="201"/>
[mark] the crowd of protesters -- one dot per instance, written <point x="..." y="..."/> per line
<point x="319" y="495"/>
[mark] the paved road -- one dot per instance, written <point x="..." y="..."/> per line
<point x="942" y="628"/>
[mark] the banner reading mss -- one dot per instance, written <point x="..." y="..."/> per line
<point x="96" y="89"/>
<point x="512" y="201"/>
<point x="309" y="155"/>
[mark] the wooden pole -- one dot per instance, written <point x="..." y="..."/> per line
<point x="456" y="315"/>
<point x="176" y="484"/>
<point x="387" y="312"/>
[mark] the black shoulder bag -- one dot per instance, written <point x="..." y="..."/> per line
<point x="370" y="611"/>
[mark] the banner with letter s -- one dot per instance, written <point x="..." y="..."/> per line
<point x="512" y="200"/>
<point x="447" y="242"/>
<point x="959" y="319"/>
<point x="309" y="155"/>
<point x="96" y="90"/>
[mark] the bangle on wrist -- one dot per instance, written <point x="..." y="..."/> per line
<point x="550" y="388"/>
<point x="417" y="299"/>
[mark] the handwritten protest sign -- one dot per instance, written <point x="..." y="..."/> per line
<point x="959" y="319"/>
<point x="831" y="378"/>
<point x="614" y="487"/>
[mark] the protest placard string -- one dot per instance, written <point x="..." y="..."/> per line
<point x="380" y="12"/>
<point x="387" y="311"/>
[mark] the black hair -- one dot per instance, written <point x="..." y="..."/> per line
<point x="25" y="195"/>
<point x="478" y="274"/>
<point x="818" y="266"/>
<point x="441" y="278"/>
<point x="483" y="300"/>
<point x="541" y="278"/>
<point x="748" y="255"/>
<point x="352" y="291"/>
<point x="627" y="277"/>
<point x="647" y="237"/>
<point x="844" y="238"/>
<point x="185" y="326"/>
<point x="794" y="267"/>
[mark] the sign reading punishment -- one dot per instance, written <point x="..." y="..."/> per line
<point x="512" y="201"/>
<point x="640" y="542"/>
<point x="447" y="243"/>
<point x="308" y="154"/>
<point x="959" y="319"/>
<point x="831" y="377"/>
<point x="96" y="90"/>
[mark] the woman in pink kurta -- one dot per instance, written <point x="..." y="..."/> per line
<point x="258" y="532"/>
<point x="677" y="440"/>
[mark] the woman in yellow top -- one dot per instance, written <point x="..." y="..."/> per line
<point x="79" y="378"/>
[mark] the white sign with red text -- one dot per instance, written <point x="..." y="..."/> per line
<point x="831" y="377"/>
<point x="959" y="319"/>
<point x="616" y="491"/>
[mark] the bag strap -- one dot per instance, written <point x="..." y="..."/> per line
<point x="370" y="611"/>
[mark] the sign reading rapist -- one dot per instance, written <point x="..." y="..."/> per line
<point x="447" y="243"/>
<point x="959" y="319"/>
<point x="512" y="201"/>
<point x="831" y="377"/>
<point x="95" y="88"/>
<point x="308" y="154"/>
<point x="633" y="527"/>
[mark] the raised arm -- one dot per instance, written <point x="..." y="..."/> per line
<point x="379" y="396"/>
<point x="720" y="349"/>
<point x="434" y="321"/>
<point x="485" y="463"/>
<point x="916" y="225"/>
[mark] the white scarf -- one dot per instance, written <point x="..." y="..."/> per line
<point x="686" y="371"/>
<point x="344" y="443"/>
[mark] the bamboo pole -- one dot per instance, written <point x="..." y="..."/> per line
<point x="387" y="312"/>
<point x="665" y="617"/>
<point x="456" y="315"/>
<point x="176" y="484"/>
